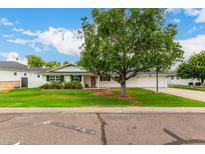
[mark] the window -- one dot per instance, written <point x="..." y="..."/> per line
<point x="177" y="78"/>
<point x="25" y="74"/>
<point x="172" y="77"/>
<point x="15" y="73"/>
<point x="76" y="78"/>
<point x="38" y="76"/>
<point x="55" y="78"/>
<point x="104" y="78"/>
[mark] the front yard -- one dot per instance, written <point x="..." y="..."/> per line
<point x="85" y="98"/>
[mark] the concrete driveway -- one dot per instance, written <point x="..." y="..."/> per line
<point x="102" y="128"/>
<point x="195" y="95"/>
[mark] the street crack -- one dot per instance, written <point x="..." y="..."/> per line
<point x="102" y="125"/>
<point x="5" y="120"/>
<point x="179" y="140"/>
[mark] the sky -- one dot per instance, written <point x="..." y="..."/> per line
<point x="53" y="33"/>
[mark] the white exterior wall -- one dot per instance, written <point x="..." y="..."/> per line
<point x="33" y="80"/>
<point x="69" y="69"/>
<point x="179" y="81"/>
<point x="143" y="81"/>
<point x="6" y="75"/>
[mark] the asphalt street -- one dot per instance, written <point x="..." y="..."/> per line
<point x="102" y="128"/>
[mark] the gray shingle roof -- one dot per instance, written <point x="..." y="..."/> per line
<point x="12" y="65"/>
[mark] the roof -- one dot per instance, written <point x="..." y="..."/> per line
<point x="12" y="65"/>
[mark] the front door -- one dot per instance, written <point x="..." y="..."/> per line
<point x="24" y="82"/>
<point x="93" y="81"/>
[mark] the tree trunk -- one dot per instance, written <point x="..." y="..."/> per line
<point x="202" y="81"/>
<point x="123" y="89"/>
<point x="157" y="81"/>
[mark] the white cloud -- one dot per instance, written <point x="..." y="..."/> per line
<point x="5" y="22"/>
<point x="13" y="56"/>
<point x="193" y="45"/>
<point x="173" y="10"/>
<point x="191" y="12"/>
<point x="26" y="32"/>
<point x="192" y="29"/>
<point x="201" y="17"/>
<point x="64" y="40"/>
<point x="176" y="20"/>
<point x="18" y="41"/>
<point x="8" y="35"/>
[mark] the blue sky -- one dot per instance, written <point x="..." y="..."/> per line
<point x="52" y="33"/>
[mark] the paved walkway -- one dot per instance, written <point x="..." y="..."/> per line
<point x="104" y="110"/>
<point x="196" y="95"/>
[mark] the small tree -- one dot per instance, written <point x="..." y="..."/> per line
<point x="193" y="68"/>
<point x="117" y="42"/>
<point x="35" y="61"/>
<point x="165" y="51"/>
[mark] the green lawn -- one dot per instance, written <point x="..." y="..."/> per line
<point x="187" y="87"/>
<point x="83" y="98"/>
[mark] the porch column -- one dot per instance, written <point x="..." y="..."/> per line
<point x="82" y="81"/>
<point x="98" y="82"/>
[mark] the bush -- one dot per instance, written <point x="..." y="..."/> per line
<point x="52" y="85"/>
<point x="72" y="85"/>
<point x="60" y="85"/>
<point x="45" y="86"/>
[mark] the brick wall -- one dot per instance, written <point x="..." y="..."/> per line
<point x="4" y="84"/>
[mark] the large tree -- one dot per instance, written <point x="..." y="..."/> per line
<point x="52" y="64"/>
<point x="165" y="51"/>
<point x="193" y="68"/>
<point x="35" y="61"/>
<point x="118" y="42"/>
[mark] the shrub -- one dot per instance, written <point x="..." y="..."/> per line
<point x="198" y="84"/>
<point x="45" y="86"/>
<point x="52" y="85"/>
<point x="72" y="85"/>
<point x="56" y="85"/>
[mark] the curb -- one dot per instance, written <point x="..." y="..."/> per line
<point x="105" y="110"/>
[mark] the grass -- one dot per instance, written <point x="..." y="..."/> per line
<point x="188" y="87"/>
<point x="85" y="98"/>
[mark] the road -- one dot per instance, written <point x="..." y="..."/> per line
<point x="103" y="128"/>
<point x="192" y="94"/>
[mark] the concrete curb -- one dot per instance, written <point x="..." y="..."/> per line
<point x="110" y="110"/>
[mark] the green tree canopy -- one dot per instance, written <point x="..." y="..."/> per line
<point x="193" y="68"/>
<point x="119" y="42"/>
<point x="52" y="64"/>
<point x="35" y="61"/>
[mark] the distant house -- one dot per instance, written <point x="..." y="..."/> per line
<point x="19" y="75"/>
<point x="173" y="79"/>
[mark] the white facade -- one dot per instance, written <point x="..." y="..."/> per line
<point x="34" y="80"/>
<point x="178" y="81"/>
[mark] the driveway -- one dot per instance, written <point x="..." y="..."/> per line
<point x="102" y="128"/>
<point x="195" y="95"/>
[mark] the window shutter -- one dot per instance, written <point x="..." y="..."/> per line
<point x="62" y="78"/>
<point x="47" y="78"/>
<point x="80" y="78"/>
<point x="108" y="78"/>
<point x="100" y="78"/>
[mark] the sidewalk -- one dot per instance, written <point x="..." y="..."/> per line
<point x="110" y="110"/>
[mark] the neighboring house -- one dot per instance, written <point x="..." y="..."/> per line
<point x="72" y="72"/>
<point x="18" y="75"/>
<point x="174" y="80"/>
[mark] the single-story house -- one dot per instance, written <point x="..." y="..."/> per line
<point x="20" y="75"/>
<point x="173" y="79"/>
